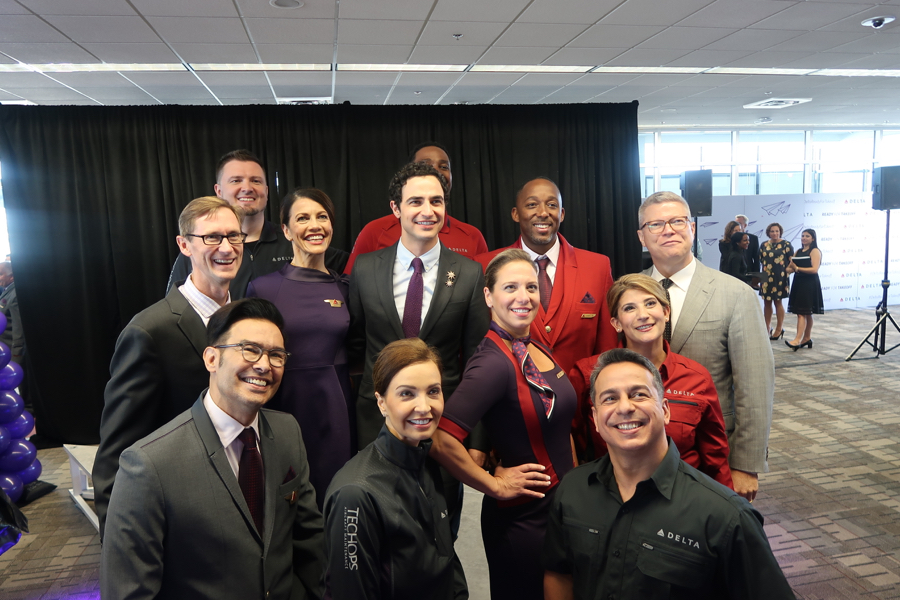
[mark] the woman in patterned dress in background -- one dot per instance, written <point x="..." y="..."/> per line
<point x="774" y="256"/>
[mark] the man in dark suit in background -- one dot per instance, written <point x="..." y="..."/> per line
<point x="241" y="181"/>
<point x="217" y="503"/>
<point x="751" y="254"/>
<point x="157" y="368"/>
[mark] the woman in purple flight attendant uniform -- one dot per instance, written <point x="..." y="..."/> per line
<point x="316" y="384"/>
<point x="526" y="403"/>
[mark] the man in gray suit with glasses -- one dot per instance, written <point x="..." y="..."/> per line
<point x="716" y="320"/>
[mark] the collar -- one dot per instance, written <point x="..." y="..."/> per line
<point x="289" y="271"/>
<point x="227" y="428"/>
<point x="665" y="369"/>
<point x="203" y="304"/>
<point x="682" y="278"/>
<point x="429" y="259"/>
<point x="663" y="478"/>
<point x="552" y="253"/>
<point x="411" y="458"/>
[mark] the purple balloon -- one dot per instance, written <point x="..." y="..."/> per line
<point x="31" y="472"/>
<point x="2" y="322"/>
<point x="5" y="354"/>
<point x="11" y="406"/>
<point x="12" y="485"/>
<point x="11" y="376"/>
<point x="5" y="439"/>
<point x="22" y="426"/>
<point x="19" y="455"/>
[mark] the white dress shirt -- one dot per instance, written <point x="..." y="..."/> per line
<point x="681" y="281"/>
<point x="403" y="272"/>
<point x="229" y="430"/>
<point x="203" y="304"/>
<point x="552" y="254"/>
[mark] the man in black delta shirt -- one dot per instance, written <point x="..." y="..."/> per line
<point x="640" y="523"/>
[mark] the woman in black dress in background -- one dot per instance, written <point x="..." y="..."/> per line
<point x="725" y="243"/>
<point x="774" y="256"/>
<point x="806" y="291"/>
<point x="735" y="261"/>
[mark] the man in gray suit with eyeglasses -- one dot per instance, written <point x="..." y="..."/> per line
<point x="716" y="320"/>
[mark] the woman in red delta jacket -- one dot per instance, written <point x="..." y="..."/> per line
<point x="640" y="311"/>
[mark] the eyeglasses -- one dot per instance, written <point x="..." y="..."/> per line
<point x="214" y="239"/>
<point x="676" y="223"/>
<point x="252" y="353"/>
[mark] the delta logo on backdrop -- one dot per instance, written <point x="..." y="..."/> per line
<point x="850" y="233"/>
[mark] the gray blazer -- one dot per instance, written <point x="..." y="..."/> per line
<point x="178" y="525"/>
<point x="455" y="324"/>
<point x="721" y="326"/>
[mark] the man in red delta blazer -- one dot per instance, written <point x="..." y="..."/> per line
<point x="576" y="322"/>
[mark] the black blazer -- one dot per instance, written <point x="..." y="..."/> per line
<point x="751" y="254"/>
<point x="156" y="373"/>
<point x="456" y="321"/>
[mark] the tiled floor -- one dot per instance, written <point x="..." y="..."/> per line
<point x="831" y="500"/>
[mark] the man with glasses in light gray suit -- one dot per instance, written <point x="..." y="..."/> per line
<point x="716" y="320"/>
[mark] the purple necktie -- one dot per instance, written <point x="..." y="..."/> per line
<point x="534" y="377"/>
<point x="412" y="310"/>
<point x="250" y="477"/>
<point x="544" y="283"/>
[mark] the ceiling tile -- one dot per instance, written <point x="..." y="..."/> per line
<point x="29" y="29"/>
<point x="532" y="55"/>
<point x="216" y="53"/>
<point x="525" y="34"/>
<point x="646" y="57"/>
<point x="817" y="41"/>
<point x="569" y="95"/>
<point x="871" y="44"/>
<point x="686" y="38"/>
<point x="14" y="81"/>
<point x="708" y="58"/>
<point x="199" y="30"/>
<point x="875" y="61"/>
<point x="312" y="9"/>
<point x="548" y="79"/>
<point x="614" y="36"/>
<point x="319" y="78"/>
<point x="41" y="94"/>
<point x="159" y="80"/>
<point x="808" y="16"/>
<point x="440" y="33"/>
<point x="119" y="95"/>
<point x="377" y="32"/>
<point x="653" y="12"/>
<point x="354" y="79"/>
<point x="446" y="55"/>
<point x="472" y="94"/>
<point x="767" y="59"/>
<point x="477" y="80"/>
<point x="660" y="80"/>
<point x="47" y="53"/>
<point x="423" y="80"/>
<point x="374" y="55"/>
<point x="477" y="10"/>
<point x="394" y="10"/>
<point x="83" y="80"/>
<point x="103" y="29"/>
<point x="586" y="12"/>
<point x="250" y="80"/>
<point x="584" y="56"/>
<point x="81" y="7"/>
<point x="523" y="95"/>
<point x="853" y="24"/>
<point x="295" y="53"/>
<point x="361" y="94"/>
<point x="303" y="91"/>
<point x="247" y="101"/>
<point x="823" y="60"/>
<point x="734" y="13"/>
<point x="752" y="39"/>
<point x="132" y="53"/>
<point x="291" y="31"/>
<point x="604" y="80"/>
<point x="180" y="8"/>
<point x="407" y="95"/>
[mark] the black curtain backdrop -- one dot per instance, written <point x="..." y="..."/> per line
<point x="93" y="196"/>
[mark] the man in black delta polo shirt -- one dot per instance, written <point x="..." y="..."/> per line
<point x="640" y="522"/>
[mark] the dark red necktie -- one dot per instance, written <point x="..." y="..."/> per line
<point x="532" y="375"/>
<point x="250" y="477"/>
<point x="544" y="283"/>
<point x="412" y="310"/>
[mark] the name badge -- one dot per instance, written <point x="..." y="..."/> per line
<point x="559" y="375"/>
<point x="588" y="315"/>
<point x="335" y="303"/>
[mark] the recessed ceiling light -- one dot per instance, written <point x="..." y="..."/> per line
<point x="877" y="22"/>
<point x="763" y="120"/>
<point x="417" y="93"/>
<point x="286" y="3"/>
<point x="777" y="102"/>
<point x="457" y="36"/>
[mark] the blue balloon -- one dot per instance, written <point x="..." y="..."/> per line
<point x="11" y="376"/>
<point x="11" y="406"/>
<point x="19" y="455"/>
<point x="5" y="439"/>
<point x="12" y="485"/>
<point x="31" y="472"/>
<point x="5" y="354"/>
<point x="22" y="426"/>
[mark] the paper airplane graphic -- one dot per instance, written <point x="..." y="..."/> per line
<point x="777" y="208"/>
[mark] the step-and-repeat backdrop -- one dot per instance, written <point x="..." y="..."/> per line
<point x="850" y="235"/>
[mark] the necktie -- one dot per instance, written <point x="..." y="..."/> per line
<point x="250" y="477"/>
<point x="412" y="310"/>
<point x="534" y="377"/>
<point x="667" y="283"/>
<point x="546" y="286"/>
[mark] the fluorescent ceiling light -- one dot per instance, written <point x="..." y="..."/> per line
<point x="669" y="70"/>
<point x="15" y="68"/>
<point x="757" y="71"/>
<point x="259" y="67"/>
<point x="529" y="69"/>
<point x="105" y="67"/>
<point x="393" y="68"/>
<point x="857" y="72"/>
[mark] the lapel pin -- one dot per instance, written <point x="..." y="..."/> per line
<point x="291" y="498"/>
<point x="451" y="277"/>
<point x="335" y="303"/>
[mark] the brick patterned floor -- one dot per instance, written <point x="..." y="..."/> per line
<point x="831" y="500"/>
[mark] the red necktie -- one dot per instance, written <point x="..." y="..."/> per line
<point x="412" y="310"/>
<point x="532" y="375"/>
<point x="544" y="283"/>
<point x="250" y="477"/>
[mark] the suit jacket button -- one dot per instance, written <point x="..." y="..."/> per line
<point x="548" y="329"/>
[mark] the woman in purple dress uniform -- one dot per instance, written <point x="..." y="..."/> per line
<point x="526" y="403"/>
<point x="316" y="384"/>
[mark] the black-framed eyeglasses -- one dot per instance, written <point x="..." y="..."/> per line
<point x="253" y="352"/>
<point x="676" y="223"/>
<point x="214" y="239"/>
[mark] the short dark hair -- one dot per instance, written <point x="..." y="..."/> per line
<point x="239" y="155"/>
<point x="314" y="194"/>
<point x="407" y="172"/>
<point x="529" y="180"/>
<point x="398" y="355"/>
<point x="778" y="225"/>
<point x="221" y="321"/>
<point x="624" y="355"/>
<point x="503" y="259"/>
<point x="412" y="153"/>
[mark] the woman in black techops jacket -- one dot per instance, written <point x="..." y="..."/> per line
<point x="387" y="534"/>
